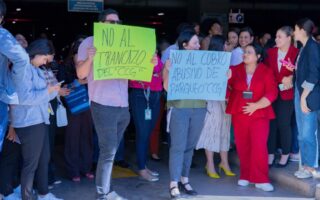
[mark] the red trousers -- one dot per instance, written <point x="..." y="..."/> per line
<point x="154" y="139"/>
<point x="251" y="136"/>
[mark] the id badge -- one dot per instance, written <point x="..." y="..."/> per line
<point x="147" y="114"/>
<point x="247" y="95"/>
<point x="50" y="109"/>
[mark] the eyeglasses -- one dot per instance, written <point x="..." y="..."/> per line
<point x="113" y="21"/>
<point x="249" y="52"/>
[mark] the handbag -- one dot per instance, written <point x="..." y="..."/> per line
<point x="61" y="114"/>
<point x="78" y="99"/>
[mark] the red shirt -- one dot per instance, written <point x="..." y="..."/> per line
<point x="272" y="62"/>
<point x="263" y="84"/>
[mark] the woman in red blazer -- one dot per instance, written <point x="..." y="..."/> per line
<point x="252" y="89"/>
<point x="283" y="106"/>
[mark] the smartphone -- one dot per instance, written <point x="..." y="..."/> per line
<point x="60" y="82"/>
<point x="281" y="87"/>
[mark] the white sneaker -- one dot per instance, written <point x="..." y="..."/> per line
<point x="295" y="157"/>
<point x="315" y="174"/>
<point x="304" y="174"/>
<point x="49" y="196"/>
<point x="243" y="183"/>
<point x="296" y="173"/>
<point x="114" y="196"/>
<point x="17" y="191"/>
<point x="12" y="196"/>
<point x="267" y="187"/>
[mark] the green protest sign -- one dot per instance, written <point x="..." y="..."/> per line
<point x="123" y="52"/>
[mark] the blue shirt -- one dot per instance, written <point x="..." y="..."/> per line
<point x="10" y="50"/>
<point x="166" y="54"/>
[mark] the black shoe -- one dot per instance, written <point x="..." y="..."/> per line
<point x="183" y="188"/>
<point x="278" y="165"/>
<point x="174" y="196"/>
<point x="273" y="163"/>
<point x="121" y="163"/>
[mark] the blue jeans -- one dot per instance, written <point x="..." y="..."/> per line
<point x="3" y="121"/>
<point x="138" y="104"/>
<point x="294" y="141"/>
<point x="307" y="134"/>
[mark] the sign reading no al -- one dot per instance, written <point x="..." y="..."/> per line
<point x="85" y="5"/>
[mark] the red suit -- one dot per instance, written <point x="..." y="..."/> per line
<point x="272" y="62"/>
<point x="251" y="132"/>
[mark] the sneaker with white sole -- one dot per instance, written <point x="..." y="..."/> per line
<point x="295" y="157"/>
<point x="113" y="196"/>
<point x="296" y="173"/>
<point x="267" y="187"/>
<point x="304" y="174"/>
<point x="49" y="196"/>
<point x="17" y="191"/>
<point x="243" y="182"/>
<point x="12" y="196"/>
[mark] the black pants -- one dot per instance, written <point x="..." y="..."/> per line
<point x="35" y="158"/>
<point x="280" y="128"/>
<point x="10" y="158"/>
<point x="79" y="144"/>
<point x="52" y="134"/>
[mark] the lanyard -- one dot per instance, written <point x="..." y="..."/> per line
<point x="146" y="93"/>
<point x="249" y="82"/>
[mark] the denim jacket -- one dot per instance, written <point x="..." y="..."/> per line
<point x="33" y="107"/>
<point x="10" y="50"/>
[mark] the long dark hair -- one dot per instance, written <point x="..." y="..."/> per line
<point x="185" y="37"/>
<point x="307" y="25"/>
<point x="40" y="47"/>
<point x="217" y="43"/>
<point x="70" y="66"/>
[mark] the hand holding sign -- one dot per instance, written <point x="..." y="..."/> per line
<point x="154" y="60"/>
<point x="91" y="53"/>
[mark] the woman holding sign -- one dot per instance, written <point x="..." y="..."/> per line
<point x="185" y="124"/>
<point x="215" y="135"/>
<point x="283" y="106"/>
<point x="252" y="89"/>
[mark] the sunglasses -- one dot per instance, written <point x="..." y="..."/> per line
<point x="113" y="21"/>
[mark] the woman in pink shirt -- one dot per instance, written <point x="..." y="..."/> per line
<point x="144" y="99"/>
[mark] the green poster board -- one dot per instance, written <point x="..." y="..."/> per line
<point x="123" y="52"/>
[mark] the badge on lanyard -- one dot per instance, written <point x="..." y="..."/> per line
<point x="147" y="111"/>
<point x="50" y="109"/>
<point x="248" y="94"/>
<point x="148" y="114"/>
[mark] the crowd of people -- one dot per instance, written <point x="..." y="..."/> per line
<point x="271" y="108"/>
